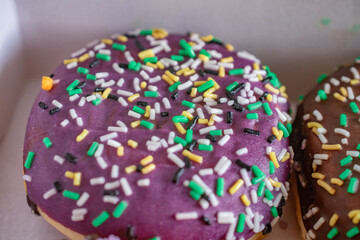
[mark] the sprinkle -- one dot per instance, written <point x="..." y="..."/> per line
<point x="318" y="176"/>
<point x="29" y="160"/>
<point x="352" y="232"/>
<point x="72" y="195"/>
<point x="274" y="159"/>
<point x="333" y="232"/>
<point x="333" y="220"/>
<point x="353" y="185"/>
<point x="331" y="147"/>
<point x="132" y="143"/>
<point x="251" y="131"/>
<point x="120" y="208"/>
<point x="236" y="186"/>
<point x="192" y="156"/>
<point x="326" y="186"/>
<point x="245" y="200"/>
<point x="82" y="135"/>
<point x="220" y="187"/>
<point x="147" y="124"/>
<point x="354" y="107"/>
<point x="186" y="216"/>
<point x="143" y="182"/>
<point x="343" y="120"/>
<point x="177" y="175"/>
<point x="100" y="219"/>
<point x="321" y="93"/>
<point x="321" y="77"/>
<point x="148" y="169"/>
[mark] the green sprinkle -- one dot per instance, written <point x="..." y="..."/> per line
<point x="241" y="223"/>
<point x="137" y="67"/>
<point x="188" y="104"/>
<point x="47" y="142"/>
<point x="96" y="101"/>
<point x="100" y="219"/>
<point x="267" y="109"/>
<point x="151" y="60"/>
<point x="146" y="32"/>
<point x="203" y="147"/>
<point x="174" y="86"/>
<point x="195" y="195"/>
<point x="151" y="93"/>
<point x="333" y="232"/>
<point x="189" y="135"/>
<point x="268" y="194"/>
<point x="92" y="149"/>
<point x="220" y="182"/>
<point x="343" y="120"/>
<point x="155" y="238"/>
<point x="187" y="49"/>
<point x="205" y="53"/>
<point x="147" y="124"/>
<point x="131" y="65"/>
<point x="73" y="85"/>
<point x="257" y="172"/>
<point x="354" y="107"/>
<point x="322" y="94"/>
<point x="29" y="160"/>
<point x="321" y="78"/>
<point x="120" y="208"/>
<point x="184" y="44"/>
<point x="346" y="161"/>
<point x="236" y="71"/>
<point x="274" y="79"/>
<point x="284" y="129"/>
<point x="205" y="86"/>
<point x="254" y="106"/>
<point x="252" y="116"/>
<point x="180" y="140"/>
<point x="216" y="132"/>
<point x="301" y="97"/>
<point x="325" y="21"/>
<point x="194" y="186"/>
<point x="181" y="119"/>
<point x="261" y="189"/>
<point x="352" y="232"/>
<point x="90" y="77"/>
<point x="346" y="173"/>
<point x="353" y="185"/>
<point x="119" y="47"/>
<point x="75" y="91"/>
<point x="232" y="86"/>
<point x="177" y="58"/>
<point x="138" y="110"/>
<point x="72" y="195"/>
<point x="82" y="70"/>
<point x="271" y="167"/>
<point x="289" y="127"/>
<point x="274" y="212"/>
<point x="103" y="57"/>
<point x="358" y="147"/>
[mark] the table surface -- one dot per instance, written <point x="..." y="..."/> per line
<point x="16" y="220"/>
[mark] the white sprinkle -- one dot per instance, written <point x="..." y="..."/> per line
<point x="284" y="191"/>
<point x="175" y="159"/>
<point x="59" y="159"/>
<point x="242" y="151"/>
<point x="197" y="99"/>
<point x="99" y="150"/>
<point x="281" y="115"/>
<point x="204" y="204"/>
<point x="231" y="231"/>
<point x="249" y="222"/>
<point x="229" y="131"/>
<point x="277" y="199"/>
<point x="164" y="144"/>
<point x="322" y="130"/>
<point x="152" y="88"/>
<point x="318" y="115"/>
<point x="196" y="63"/>
<point x="99" y="81"/>
<point x="327" y="88"/>
<point x="194" y="77"/>
<point x="117" y="129"/>
<point x="108" y="84"/>
<point x="225" y="217"/>
<point x="49" y="193"/>
<point x="350" y="93"/>
<point x="102" y="75"/>
<point x="344" y="141"/>
<point x="345" y="79"/>
<point x="143" y="182"/>
<point x="73" y="113"/>
<point x="185" y="85"/>
<point x="175" y="148"/>
<point x="137" y="84"/>
<point x="73" y="97"/>
<point x="253" y="195"/>
<point x="206" y="171"/>
<point x="224" y="167"/>
<point x="112" y="185"/>
<point x="356" y="168"/>
<point x="152" y="114"/>
<point x="249" y="212"/>
<point x="334" y="82"/>
<point x="317" y="162"/>
<point x="319" y="223"/>
<point x="117" y="69"/>
<point x="355" y="72"/>
<point x="147" y="68"/>
<point x="125" y="186"/>
<point x="108" y="136"/>
<point x="122" y="102"/>
<point x="322" y="138"/>
<point x="83" y="199"/>
<point x="202" y="184"/>
<point x="97" y="181"/>
<point x="353" y="153"/>
<point x="133" y="114"/>
<point x="219" y="164"/>
<point x="224" y="140"/>
<point x="157" y="107"/>
<point x="204" y="141"/>
<point x="306" y="117"/>
<point x="213" y="200"/>
<point x="205" y="130"/>
<point x="82" y="101"/>
<point x="317" y="98"/>
<point x="186" y="216"/>
<point x="246" y="55"/>
<point x="99" y="46"/>
<point x="100" y="160"/>
<point x="343" y="132"/>
<point x="79" y="211"/>
<point x="27" y="178"/>
<point x="245" y="176"/>
<point x="79" y="122"/>
<point x="78" y="52"/>
<point x="128" y="56"/>
<point x="71" y="65"/>
<point x="113" y="143"/>
<point x="90" y="98"/>
<point x="282" y="154"/>
<point x="57" y="103"/>
<point x="111" y="199"/>
<point x="171" y="138"/>
<point x="124" y="93"/>
<point x="154" y="79"/>
<point x="268" y="150"/>
<point x="166" y="103"/>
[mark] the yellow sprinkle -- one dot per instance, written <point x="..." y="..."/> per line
<point x="343" y="91"/>
<point x="143" y="85"/>
<point x="314" y="167"/>
<point x="355" y="215"/>
<point x="146" y="160"/>
<point x="69" y="174"/>
<point x="326" y="186"/>
<point x="221" y="72"/>
<point x="318" y="176"/>
<point x="188" y="115"/>
<point x="259" y="77"/>
<point x="180" y="128"/>
<point x="207" y="38"/>
<point x="182" y="70"/>
<point x="333" y="220"/>
<point x="192" y="43"/>
<point x="203" y="121"/>
<point x="210" y="90"/>
<point x="159" y="33"/>
<point x="245" y="200"/>
<point x="203" y="58"/>
<point x="84" y="57"/>
<point x="82" y="135"/>
<point x="132" y="143"/>
<point x="130" y="169"/>
<point x="236" y="186"/>
<point x="106" y="93"/>
<point x="193" y="92"/>
<point x="211" y="120"/>
<point x="135" y="124"/>
<point x="107" y="41"/>
<point x="154" y="66"/>
<point x="275" y="131"/>
<point x="122" y="38"/>
<point x="271" y="88"/>
<point x="167" y="79"/>
<point x="286" y="157"/>
<point x="216" y="85"/>
<point x="354" y="82"/>
<point x="256" y="66"/>
<point x="133" y="97"/>
<point x="160" y="65"/>
<point x="331" y="147"/>
<point x="229" y="47"/>
<point x="77" y="179"/>
<point x="280" y="136"/>
<point x="67" y="61"/>
<point x="314" y="125"/>
<point x="269" y="97"/>
<point x="147" y="111"/>
<point x="146" y="53"/>
<point x="198" y="83"/>
<point x="315" y="131"/>
<point x="192" y="156"/>
<point x="284" y="95"/>
<point x="120" y="151"/>
<point x="273" y="158"/>
<point x="172" y="76"/>
<point x="227" y="60"/>
<point x="148" y="168"/>
<point x="340" y="97"/>
<point x="209" y="95"/>
<point x="275" y="183"/>
<point x="282" y="89"/>
<point x="189" y="72"/>
<point x="337" y="181"/>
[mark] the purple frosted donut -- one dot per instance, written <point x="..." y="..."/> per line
<point x="151" y="135"/>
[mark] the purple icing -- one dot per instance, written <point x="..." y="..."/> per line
<point x="152" y="209"/>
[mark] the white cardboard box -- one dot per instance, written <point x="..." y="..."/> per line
<point x="35" y="36"/>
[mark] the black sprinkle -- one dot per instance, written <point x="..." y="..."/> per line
<point x="99" y="89"/>
<point x="263" y="96"/>
<point x="189" y="91"/>
<point x="58" y="186"/>
<point x="206" y="220"/>
<point x="238" y="88"/>
<point x="164" y="114"/>
<point x="93" y="63"/>
<point x="266" y="80"/>
<point x="175" y="95"/>
<point x="87" y="95"/>
<point x="211" y="138"/>
<point x="71" y="158"/>
<point x="111" y="192"/>
<point x="229" y="117"/>
<point x="130" y="232"/>
<point x="242" y="164"/>
<point x="43" y="105"/>
<point x="123" y="65"/>
<point x="81" y="85"/>
<point x="216" y="41"/>
<point x="51" y="75"/>
<point x="32" y="206"/>
<point x="113" y="97"/>
<point x="230" y="96"/>
<point x="271" y="139"/>
<point x="201" y="72"/>
<point x="238" y="107"/>
<point x="54" y="110"/>
<point x="251" y="131"/>
<point x="206" y="197"/>
<point x="193" y="122"/>
<point x="172" y="70"/>
<point x="267" y="229"/>
<point x="142" y="103"/>
<point x="139" y="167"/>
<point x="177" y="175"/>
<point x="212" y="72"/>
<point x="139" y="45"/>
<point x="187" y="162"/>
<point x="190" y="146"/>
<point x="129" y="35"/>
